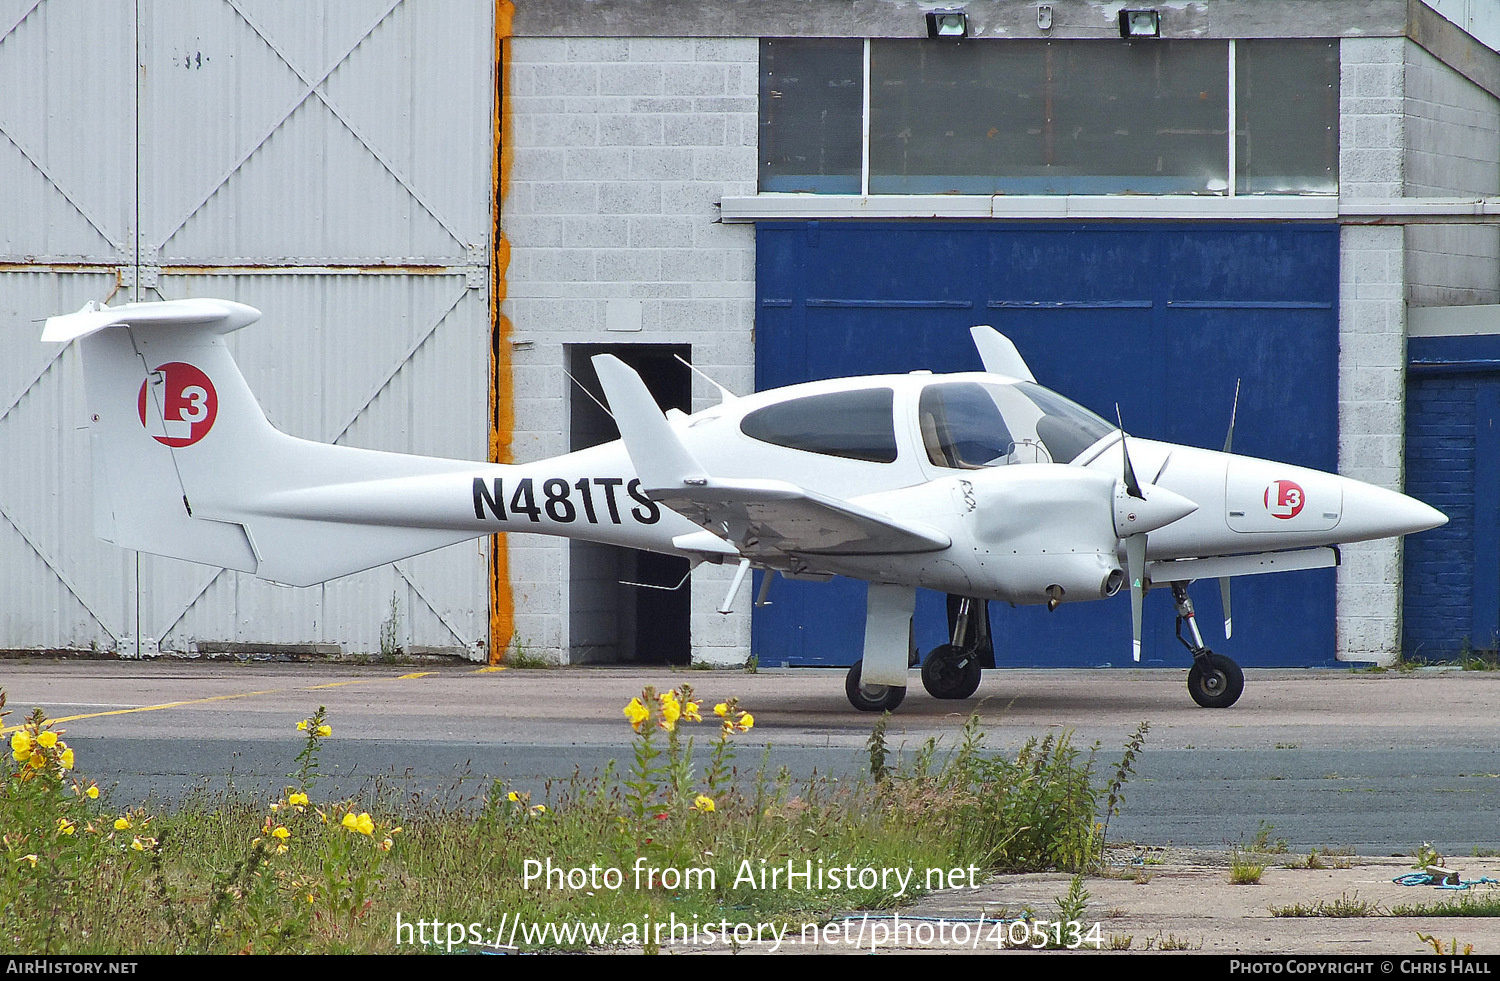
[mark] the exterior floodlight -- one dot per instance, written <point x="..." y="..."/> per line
<point x="947" y="22"/>
<point x="1139" y="24"/>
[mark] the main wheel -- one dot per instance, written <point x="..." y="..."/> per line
<point x="951" y="672"/>
<point x="871" y="698"/>
<point x="1216" y="684"/>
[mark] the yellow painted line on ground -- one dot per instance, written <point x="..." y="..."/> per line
<point x="221" y="698"/>
<point x="489" y="670"/>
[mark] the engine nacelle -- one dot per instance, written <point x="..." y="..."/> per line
<point x="1044" y="533"/>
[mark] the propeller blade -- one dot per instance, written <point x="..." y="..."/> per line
<point x="1135" y="568"/>
<point x="1132" y="486"/>
<point x="1233" y="411"/>
<point x="1224" y="597"/>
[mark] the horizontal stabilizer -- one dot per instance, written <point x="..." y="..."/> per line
<point x="219" y="316"/>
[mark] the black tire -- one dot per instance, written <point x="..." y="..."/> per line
<point x="871" y="698"/>
<point x="1217" y="684"/>
<point x="951" y="672"/>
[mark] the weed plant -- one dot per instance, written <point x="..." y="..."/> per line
<point x="685" y="833"/>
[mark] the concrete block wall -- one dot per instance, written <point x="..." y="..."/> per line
<point x="623" y="149"/>
<point x="1452" y="148"/>
<point x="1372" y="335"/>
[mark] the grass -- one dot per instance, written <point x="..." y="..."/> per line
<point x="677" y="831"/>
<point x="1243" y="871"/>
<point x="1264" y="844"/>
<point x="1347" y="905"/>
<point x="1326" y="858"/>
<point x="1467" y="904"/>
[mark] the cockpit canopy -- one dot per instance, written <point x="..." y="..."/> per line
<point x="964" y="425"/>
<point x="968" y="425"/>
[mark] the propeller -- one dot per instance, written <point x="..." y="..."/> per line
<point x="1139" y="509"/>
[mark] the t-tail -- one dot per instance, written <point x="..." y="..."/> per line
<point x="186" y="464"/>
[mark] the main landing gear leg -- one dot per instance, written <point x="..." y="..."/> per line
<point x="877" y="683"/>
<point x="953" y="669"/>
<point x="1214" y="680"/>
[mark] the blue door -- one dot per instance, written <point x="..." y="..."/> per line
<point x="1451" y="589"/>
<point x="1159" y="318"/>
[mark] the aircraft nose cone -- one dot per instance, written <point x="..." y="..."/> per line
<point x="1374" y="512"/>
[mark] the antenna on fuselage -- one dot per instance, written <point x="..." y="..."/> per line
<point x="725" y="395"/>
<point x="591" y="395"/>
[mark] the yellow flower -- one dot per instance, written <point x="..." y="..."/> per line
<point x="513" y="797"/>
<point x="385" y="845"/>
<point x="325" y="731"/>
<point x="46" y="740"/>
<point x="28" y="858"/>
<point x="281" y="833"/>
<point x="637" y="714"/>
<point x="20" y="746"/>
<point x="690" y="712"/>
<point x="37" y="761"/>
<point x="302" y="726"/>
<point x="539" y="809"/>
<point x="122" y="824"/>
<point x="297" y="800"/>
<point x="747" y="722"/>
<point x="93" y="791"/>
<point x="66" y="759"/>
<point x="671" y="710"/>
<point x="721" y="709"/>
<point x="704" y="804"/>
<point x="66" y="827"/>
<point x="138" y="845"/>
<point x="360" y="824"/>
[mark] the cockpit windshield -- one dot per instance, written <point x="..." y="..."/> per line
<point x="970" y="425"/>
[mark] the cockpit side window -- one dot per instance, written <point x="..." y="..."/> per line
<point x="856" y="425"/>
<point x="962" y="427"/>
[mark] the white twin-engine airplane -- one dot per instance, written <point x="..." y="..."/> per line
<point x="982" y="485"/>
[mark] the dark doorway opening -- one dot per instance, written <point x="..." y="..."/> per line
<point x="609" y="621"/>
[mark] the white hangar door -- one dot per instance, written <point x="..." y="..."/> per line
<point x="328" y="164"/>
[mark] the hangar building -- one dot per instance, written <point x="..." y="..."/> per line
<point x="444" y="208"/>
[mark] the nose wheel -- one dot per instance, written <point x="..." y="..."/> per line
<point x="1214" y="680"/>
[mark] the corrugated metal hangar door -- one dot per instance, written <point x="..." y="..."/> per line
<point x="329" y="164"/>
<point x="1161" y="319"/>
<point x="1451" y="599"/>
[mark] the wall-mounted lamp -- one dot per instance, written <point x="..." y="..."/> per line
<point x="947" y="22"/>
<point x="1139" y="24"/>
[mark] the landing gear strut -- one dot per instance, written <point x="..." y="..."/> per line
<point x="953" y="669"/>
<point x="1214" y="680"/>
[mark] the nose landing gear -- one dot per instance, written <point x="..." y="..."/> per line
<point x="1214" y="681"/>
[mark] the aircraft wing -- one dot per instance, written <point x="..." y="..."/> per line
<point x="759" y="517"/>
<point x="766" y="517"/>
